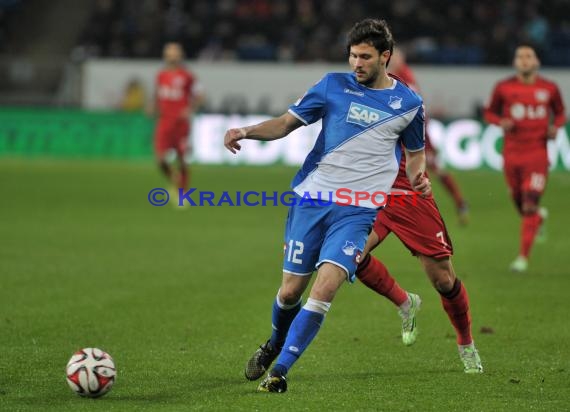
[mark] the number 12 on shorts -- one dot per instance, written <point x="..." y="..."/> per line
<point x="294" y="250"/>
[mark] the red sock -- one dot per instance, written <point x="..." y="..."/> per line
<point x="183" y="178"/>
<point x="375" y="275"/>
<point x="530" y="225"/>
<point x="456" y="304"/>
<point x="451" y="186"/>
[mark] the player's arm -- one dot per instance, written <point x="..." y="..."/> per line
<point x="196" y="100"/>
<point x="307" y="110"/>
<point x="557" y="107"/>
<point x="413" y="138"/>
<point x="493" y="111"/>
<point x="273" y="129"/>
<point x="415" y="170"/>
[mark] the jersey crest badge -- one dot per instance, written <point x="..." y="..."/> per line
<point x="395" y="102"/>
<point x="542" y="95"/>
<point x="349" y="248"/>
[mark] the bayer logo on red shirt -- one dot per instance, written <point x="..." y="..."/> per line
<point x="520" y="111"/>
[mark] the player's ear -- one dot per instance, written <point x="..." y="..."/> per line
<point x="385" y="56"/>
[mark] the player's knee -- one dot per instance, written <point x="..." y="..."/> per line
<point x="444" y="283"/>
<point x="289" y="295"/>
<point x="440" y="273"/>
<point x="529" y="206"/>
<point x="292" y="289"/>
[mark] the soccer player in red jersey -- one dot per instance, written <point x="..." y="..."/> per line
<point x="529" y="109"/>
<point x="400" y="68"/>
<point x="418" y="224"/>
<point x="177" y="96"/>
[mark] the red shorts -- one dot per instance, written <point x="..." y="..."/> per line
<point x="417" y="223"/>
<point x="171" y="133"/>
<point x="526" y="178"/>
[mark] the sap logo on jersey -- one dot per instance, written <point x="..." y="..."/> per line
<point x="364" y="115"/>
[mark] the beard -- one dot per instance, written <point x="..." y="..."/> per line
<point x="368" y="81"/>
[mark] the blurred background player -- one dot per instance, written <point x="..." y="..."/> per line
<point x="418" y="224"/>
<point x="134" y="96"/>
<point x="523" y="106"/>
<point x="177" y="96"/>
<point x="400" y="68"/>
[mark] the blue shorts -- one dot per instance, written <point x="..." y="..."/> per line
<point x="316" y="234"/>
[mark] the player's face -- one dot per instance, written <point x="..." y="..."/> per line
<point x="525" y="61"/>
<point x="172" y="54"/>
<point x="367" y="63"/>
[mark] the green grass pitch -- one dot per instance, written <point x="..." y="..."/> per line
<point x="182" y="298"/>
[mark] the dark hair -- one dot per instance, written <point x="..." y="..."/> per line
<point x="372" y="31"/>
<point x="527" y="46"/>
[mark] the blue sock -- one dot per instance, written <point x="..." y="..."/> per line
<point x="303" y="329"/>
<point x="281" y="319"/>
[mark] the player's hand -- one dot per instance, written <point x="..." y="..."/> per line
<point x="422" y="185"/>
<point x="232" y="137"/>
<point x="552" y="132"/>
<point x="506" y="124"/>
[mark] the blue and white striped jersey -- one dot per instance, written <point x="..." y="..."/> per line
<point x="358" y="147"/>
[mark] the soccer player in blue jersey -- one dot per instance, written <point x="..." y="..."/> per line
<point x="366" y="117"/>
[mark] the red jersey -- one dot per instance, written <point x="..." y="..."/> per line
<point x="402" y="183"/>
<point x="173" y="91"/>
<point x="406" y="76"/>
<point x="531" y="107"/>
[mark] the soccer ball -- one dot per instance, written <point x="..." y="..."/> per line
<point x="91" y="372"/>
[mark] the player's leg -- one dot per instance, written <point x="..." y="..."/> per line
<point x="372" y="273"/>
<point x="513" y="178"/>
<point x="303" y="239"/>
<point x="182" y="145"/>
<point x="375" y="275"/>
<point x="306" y="325"/>
<point x="419" y="225"/>
<point x="423" y="231"/>
<point x="455" y="302"/>
<point x="534" y="183"/>
<point x="285" y="307"/>
<point x="347" y="228"/>
<point x="161" y="146"/>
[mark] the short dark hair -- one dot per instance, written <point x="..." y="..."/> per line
<point x="372" y="31"/>
<point x="526" y="46"/>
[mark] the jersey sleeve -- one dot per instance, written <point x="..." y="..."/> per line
<point x="557" y="107"/>
<point x="311" y="107"/>
<point x="413" y="136"/>
<point x="492" y="113"/>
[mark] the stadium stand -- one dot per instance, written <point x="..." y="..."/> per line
<point x="432" y="31"/>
